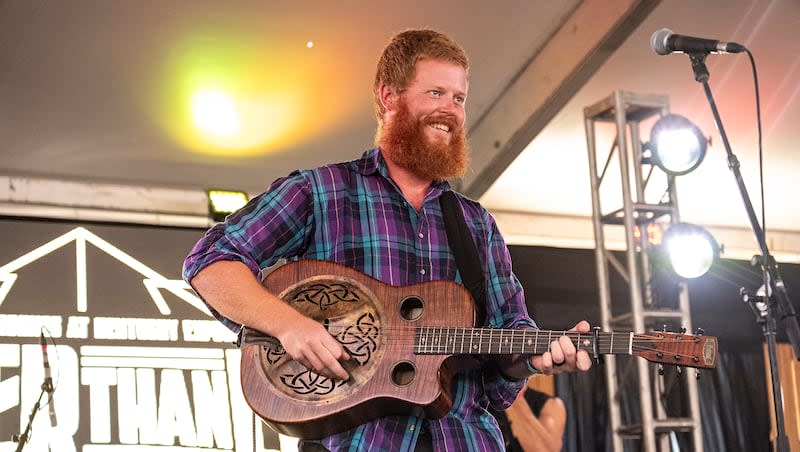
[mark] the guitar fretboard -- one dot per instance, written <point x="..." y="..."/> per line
<point x="480" y="341"/>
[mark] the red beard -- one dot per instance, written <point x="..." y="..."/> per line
<point x="403" y="140"/>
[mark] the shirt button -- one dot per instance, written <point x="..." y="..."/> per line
<point x="421" y="235"/>
<point x="421" y="271"/>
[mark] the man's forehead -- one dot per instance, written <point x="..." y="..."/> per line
<point x="433" y="70"/>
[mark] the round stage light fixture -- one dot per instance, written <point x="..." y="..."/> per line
<point x="691" y="250"/>
<point x="677" y="145"/>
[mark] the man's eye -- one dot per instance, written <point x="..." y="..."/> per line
<point x="461" y="99"/>
<point x="435" y="92"/>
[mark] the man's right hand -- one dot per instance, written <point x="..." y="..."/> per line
<point x="309" y="343"/>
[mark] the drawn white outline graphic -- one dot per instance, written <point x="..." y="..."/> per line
<point x="80" y="235"/>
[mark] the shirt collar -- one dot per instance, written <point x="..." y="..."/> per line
<point x="372" y="161"/>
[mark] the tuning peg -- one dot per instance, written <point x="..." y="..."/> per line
<point x="683" y="330"/>
<point x="678" y="371"/>
<point x="699" y="332"/>
<point x="664" y="328"/>
<point x="697" y="374"/>
<point x="661" y="369"/>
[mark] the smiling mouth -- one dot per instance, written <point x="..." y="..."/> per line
<point x="443" y="127"/>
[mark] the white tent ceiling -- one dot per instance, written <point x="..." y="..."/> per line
<point x="93" y="94"/>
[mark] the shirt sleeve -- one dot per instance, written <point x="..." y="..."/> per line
<point x="276" y="224"/>
<point x="505" y="309"/>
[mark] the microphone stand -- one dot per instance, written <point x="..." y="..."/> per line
<point x="21" y="440"/>
<point x="776" y="298"/>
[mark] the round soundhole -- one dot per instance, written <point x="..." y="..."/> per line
<point x="403" y="373"/>
<point x="411" y="308"/>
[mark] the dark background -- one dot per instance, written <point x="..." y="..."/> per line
<point x="561" y="289"/>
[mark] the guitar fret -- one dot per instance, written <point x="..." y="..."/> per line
<point x="630" y="344"/>
<point x="611" y="347"/>
<point x="451" y="340"/>
<point x="471" y="336"/>
<point x="526" y="342"/>
<point x="500" y="342"/>
<point x="450" y="348"/>
<point x="428" y="340"/>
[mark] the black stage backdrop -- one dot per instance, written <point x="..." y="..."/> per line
<point x="138" y="363"/>
<point x="561" y="289"/>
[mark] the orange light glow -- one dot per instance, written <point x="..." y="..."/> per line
<point x="221" y="96"/>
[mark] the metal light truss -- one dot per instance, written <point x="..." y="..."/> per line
<point x="623" y="113"/>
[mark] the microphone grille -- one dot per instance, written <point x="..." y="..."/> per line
<point x="658" y="42"/>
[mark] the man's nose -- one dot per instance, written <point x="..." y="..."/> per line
<point x="451" y="107"/>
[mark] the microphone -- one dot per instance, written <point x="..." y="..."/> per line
<point x="664" y="42"/>
<point x="48" y="380"/>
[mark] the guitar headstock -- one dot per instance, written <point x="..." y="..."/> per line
<point x="677" y="348"/>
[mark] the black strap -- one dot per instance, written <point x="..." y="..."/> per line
<point x="463" y="247"/>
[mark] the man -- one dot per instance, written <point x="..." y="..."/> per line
<point x="381" y="215"/>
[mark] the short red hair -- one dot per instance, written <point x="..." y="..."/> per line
<point x="398" y="61"/>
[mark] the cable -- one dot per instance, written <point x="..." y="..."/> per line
<point x="760" y="138"/>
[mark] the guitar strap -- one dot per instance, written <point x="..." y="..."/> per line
<point x="461" y="243"/>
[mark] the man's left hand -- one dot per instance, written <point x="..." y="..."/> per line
<point x="563" y="356"/>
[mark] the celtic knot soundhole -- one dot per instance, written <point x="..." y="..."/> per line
<point x="326" y="295"/>
<point x="359" y="339"/>
<point x="310" y="382"/>
<point x="348" y="310"/>
<point x="274" y="353"/>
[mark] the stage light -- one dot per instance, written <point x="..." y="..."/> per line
<point x="214" y="112"/>
<point x="222" y="203"/>
<point x="677" y="146"/>
<point x="690" y="249"/>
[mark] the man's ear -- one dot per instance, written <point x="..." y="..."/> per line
<point x="388" y="96"/>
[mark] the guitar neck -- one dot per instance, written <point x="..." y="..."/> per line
<point x="494" y="341"/>
<point x="659" y="347"/>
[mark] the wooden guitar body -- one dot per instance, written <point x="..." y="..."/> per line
<point x="376" y="324"/>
